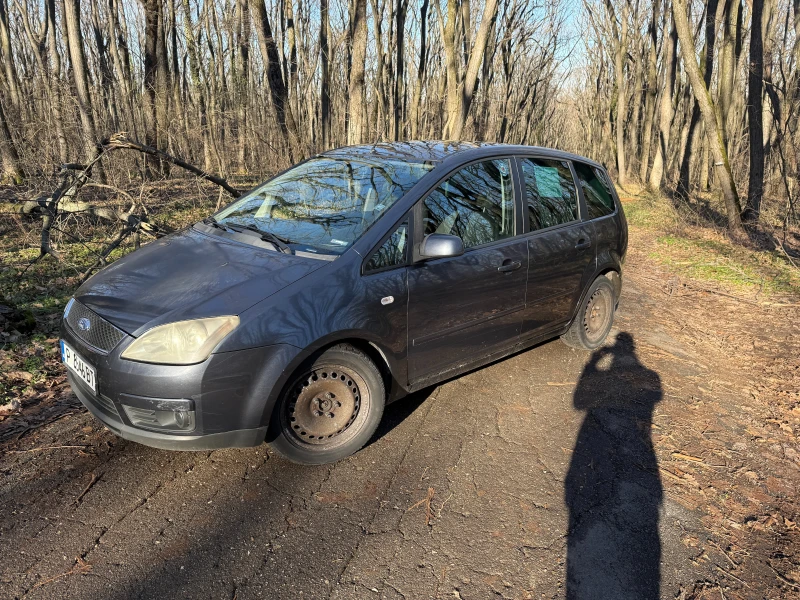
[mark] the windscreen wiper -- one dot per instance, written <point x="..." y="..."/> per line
<point x="214" y="223"/>
<point x="279" y="242"/>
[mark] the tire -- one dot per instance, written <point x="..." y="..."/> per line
<point x="330" y="409"/>
<point x="594" y="318"/>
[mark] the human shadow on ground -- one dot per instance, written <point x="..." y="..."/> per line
<point x="613" y="489"/>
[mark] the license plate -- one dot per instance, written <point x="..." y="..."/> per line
<point x="79" y="366"/>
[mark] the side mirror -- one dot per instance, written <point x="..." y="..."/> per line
<point x="440" y="245"/>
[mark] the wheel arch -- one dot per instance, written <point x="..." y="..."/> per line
<point x="392" y="374"/>
<point x="610" y="271"/>
<point x="612" y="274"/>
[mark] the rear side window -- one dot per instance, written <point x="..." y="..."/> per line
<point x="551" y="195"/>
<point x="596" y="190"/>
<point x="476" y="204"/>
<point x="391" y="253"/>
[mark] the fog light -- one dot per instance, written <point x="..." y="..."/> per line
<point x="184" y="419"/>
<point x="159" y="414"/>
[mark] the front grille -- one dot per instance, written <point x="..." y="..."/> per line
<point x="100" y="334"/>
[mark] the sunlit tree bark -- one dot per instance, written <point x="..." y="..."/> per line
<point x="714" y="130"/>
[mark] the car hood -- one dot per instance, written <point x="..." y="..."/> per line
<point x="189" y="275"/>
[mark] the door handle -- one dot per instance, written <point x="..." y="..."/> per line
<point x="507" y="266"/>
<point x="583" y="244"/>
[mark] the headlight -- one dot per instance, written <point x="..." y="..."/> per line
<point x="181" y="343"/>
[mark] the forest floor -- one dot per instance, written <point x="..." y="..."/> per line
<point x="665" y="465"/>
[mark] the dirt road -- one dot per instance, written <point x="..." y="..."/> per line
<point x="658" y="467"/>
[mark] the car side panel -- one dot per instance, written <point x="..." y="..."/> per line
<point x="557" y="274"/>
<point x="339" y="303"/>
<point x="609" y="236"/>
<point x="463" y="308"/>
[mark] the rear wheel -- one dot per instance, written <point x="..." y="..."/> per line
<point x="330" y="409"/>
<point x="595" y="317"/>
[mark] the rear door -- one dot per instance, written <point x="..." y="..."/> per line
<point x="462" y="309"/>
<point x="608" y="222"/>
<point x="560" y="245"/>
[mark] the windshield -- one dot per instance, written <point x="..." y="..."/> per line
<point x="324" y="204"/>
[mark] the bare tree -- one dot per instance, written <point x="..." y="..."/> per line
<point x="460" y="90"/>
<point x="80" y="73"/>
<point x="12" y="172"/>
<point x="358" y="33"/>
<point x="666" y="109"/>
<point x="277" y="87"/>
<point x="620" y="40"/>
<point x="715" y="130"/>
<point x="755" y="90"/>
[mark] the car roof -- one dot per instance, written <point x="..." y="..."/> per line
<point x="439" y="151"/>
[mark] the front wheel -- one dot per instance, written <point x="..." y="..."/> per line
<point x="595" y="317"/>
<point x="330" y="409"/>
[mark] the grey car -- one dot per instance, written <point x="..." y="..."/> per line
<point x="294" y="314"/>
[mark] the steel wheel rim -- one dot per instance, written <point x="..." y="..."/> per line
<point x="323" y="405"/>
<point x="597" y="315"/>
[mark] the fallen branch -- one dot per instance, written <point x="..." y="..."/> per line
<point x="76" y="176"/>
<point x="427" y="502"/>
<point x="122" y="141"/>
<point x="95" y="479"/>
<point x="81" y="566"/>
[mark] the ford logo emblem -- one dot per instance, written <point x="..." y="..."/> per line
<point x="84" y="324"/>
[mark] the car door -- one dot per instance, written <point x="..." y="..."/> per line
<point x="560" y="245"/>
<point x="464" y="308"/>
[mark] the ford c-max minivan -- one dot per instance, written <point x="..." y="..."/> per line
<point x="294" y="314"/>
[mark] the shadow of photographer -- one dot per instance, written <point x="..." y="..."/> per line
<point x="613" y="489"/>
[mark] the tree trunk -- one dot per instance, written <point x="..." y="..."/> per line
<point x="666" y="108"/>
<point x="55" y="77"/>
<point x="380" y="106"/>
<point x="122" y="74"/>
<point x="275" y="83"/>
<point x="399" y="76"/>
<point x="620" y="41"/>
<point x="12" y="171"/>
<point x="460" y="97"/>
<point x="105" y="77"/>
<point x="6" y="52"/>
<point x="291" y="41"/>
<point x="727" y="64"/>
<point x="708" y="69"/>
<point x="707" y="109"/>
<point x="80" y="73"/>
<point x="325" y="93"/>
<point x="153" y="17"/>
<point x="652" y="91"/>
<point x="199" y="86"/>
<point x="423" y="59"/>
<point x="242" y="87"/>
<point x="755" y="74"/>
<point x="356" y="109"/>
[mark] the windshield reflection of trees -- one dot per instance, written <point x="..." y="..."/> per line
<point x="326" y="202"/>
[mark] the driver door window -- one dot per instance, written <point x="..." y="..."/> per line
<point x="476" y="204"/>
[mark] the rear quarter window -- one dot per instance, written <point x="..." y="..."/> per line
<point x="596" y="190"/>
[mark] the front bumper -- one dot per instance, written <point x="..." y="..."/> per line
<point x="233" y="393"/>
<point x="241" y="438"/>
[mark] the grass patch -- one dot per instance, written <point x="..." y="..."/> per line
<point x="681" y="240"/>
